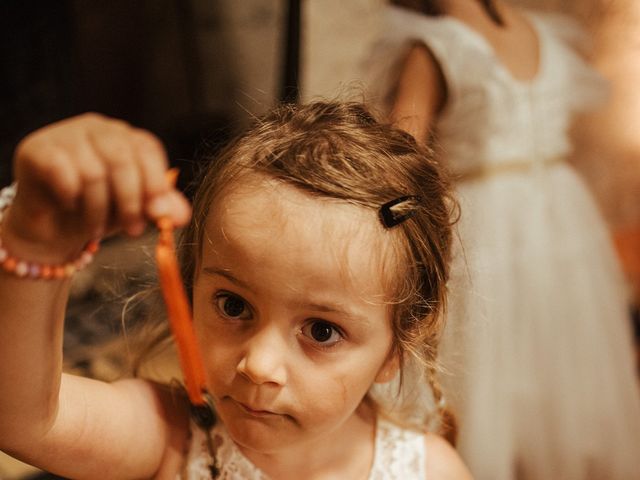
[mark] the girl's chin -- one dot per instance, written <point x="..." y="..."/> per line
<point x="261" y="438"/>
<point x="257" y="431"/>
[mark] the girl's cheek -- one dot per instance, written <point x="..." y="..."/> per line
<point x="220" y="365"/>
<point x="214" y="347"/>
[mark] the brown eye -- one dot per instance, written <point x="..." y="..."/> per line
<point x="322" y="332"/>
<point x="232" y="306"/>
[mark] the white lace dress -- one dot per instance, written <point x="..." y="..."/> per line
<point x="399" y="455"/>
<point x="538" y="345"/>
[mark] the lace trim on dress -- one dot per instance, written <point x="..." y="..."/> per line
<point x="399" y="455"/>
<point x="233" y="464"/>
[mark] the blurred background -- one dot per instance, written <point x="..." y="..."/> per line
<point x="199" y="70"/>
<point x="180" y="68"/>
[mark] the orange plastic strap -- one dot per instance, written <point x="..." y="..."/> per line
<point x="179" y="311"/>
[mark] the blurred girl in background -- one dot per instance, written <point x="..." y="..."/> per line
<point x="538" y="345"/>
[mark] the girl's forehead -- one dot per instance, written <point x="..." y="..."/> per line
<point x="259" y="199"/>
<point x="264" y="222"/>
<point x="264" y="207"/>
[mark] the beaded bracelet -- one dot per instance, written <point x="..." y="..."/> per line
<point x="23" y="268"/>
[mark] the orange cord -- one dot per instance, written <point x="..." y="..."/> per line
<point x="179" y="310"/>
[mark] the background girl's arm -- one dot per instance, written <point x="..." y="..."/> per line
<point x="420" y="93"/>
<point x="77" y="179"/>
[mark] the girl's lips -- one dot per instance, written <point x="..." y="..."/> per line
<point x="255" y="412"/>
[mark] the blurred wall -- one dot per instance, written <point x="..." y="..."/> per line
<point x="242" y="48"/>
<point x="184" y="69"/>
<point x="336" y="35"/>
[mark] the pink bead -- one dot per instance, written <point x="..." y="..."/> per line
<point x="22" y="269"/>
<point x="86" y="258"/>
<point x="34" y="270"/>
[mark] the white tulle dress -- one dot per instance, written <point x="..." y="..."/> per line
<point x="538" y="348"/>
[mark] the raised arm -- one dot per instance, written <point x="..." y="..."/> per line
<point x="420" y="93"/>
<point x="77" y="180"/>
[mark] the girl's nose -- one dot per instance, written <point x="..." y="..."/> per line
<point x="263" y="360"/>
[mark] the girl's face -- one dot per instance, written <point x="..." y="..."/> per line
<point x="290" y="312"/>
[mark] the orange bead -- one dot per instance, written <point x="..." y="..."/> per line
<point x="46" y="272"/>
<point x="93" y="246"/>
<point x="9" y="264"/>
<point x="58" y="272"/>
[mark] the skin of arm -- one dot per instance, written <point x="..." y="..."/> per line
<point x="77" y="179"/>
<point x="420" y="93"/>
<point x="443" y="462"/>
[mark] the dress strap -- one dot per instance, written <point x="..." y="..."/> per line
<point x="399" y="453"/>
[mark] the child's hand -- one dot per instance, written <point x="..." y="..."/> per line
<point x="82" y="178"/>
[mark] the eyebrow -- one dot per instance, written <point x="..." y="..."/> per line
<point x="325" y="308"/>
<point x="223" y="273"/>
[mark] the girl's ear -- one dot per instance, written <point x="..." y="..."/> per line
<point x="389" y="368"/>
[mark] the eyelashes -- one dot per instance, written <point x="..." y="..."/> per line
<point x="232" y="306"/>
<point x="321" y="333"/>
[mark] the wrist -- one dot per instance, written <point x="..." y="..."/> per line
<point x="25" y="257"/>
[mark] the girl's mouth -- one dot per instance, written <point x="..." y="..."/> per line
<point x="256" y="412"/>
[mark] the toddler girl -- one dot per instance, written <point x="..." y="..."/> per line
<point x="316" y="259"/>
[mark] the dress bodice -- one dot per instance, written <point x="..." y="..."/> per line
<point x="490" y="116"/>
<point x="399" y="454"/>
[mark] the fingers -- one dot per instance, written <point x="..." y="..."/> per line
<point x="109" y="173"/>
<point x="152" y="161"/>
<point x="163" y="199"/>
<point x="173" y="205"/>
<point x="94" y="192"/>
<point x="114" y="146"/>
<point x="50" y="165"/>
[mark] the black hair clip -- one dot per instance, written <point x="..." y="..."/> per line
<point x="390" y="216"/>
